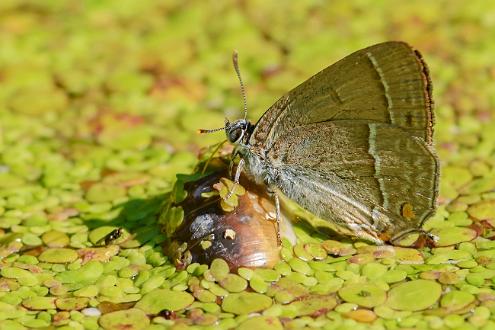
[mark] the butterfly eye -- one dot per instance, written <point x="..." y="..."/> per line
<point x="235" y="134"/>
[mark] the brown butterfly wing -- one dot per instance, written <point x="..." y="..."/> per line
<point x="361" y="132"/>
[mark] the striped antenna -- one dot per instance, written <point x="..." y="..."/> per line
<point x="205" y="131"/>
<point x="235" y="60"/>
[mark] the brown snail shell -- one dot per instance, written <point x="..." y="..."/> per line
<point x="244" y="237"/>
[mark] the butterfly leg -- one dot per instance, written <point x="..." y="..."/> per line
<point x="277" y="213"/>
<point x="237" y="176"/>
<point x="231" y="165"/>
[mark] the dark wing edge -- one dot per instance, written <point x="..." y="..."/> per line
<point x="430" y="104"/>
<point x="429" y="143"/>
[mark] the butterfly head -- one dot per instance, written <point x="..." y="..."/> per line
<point x="236" y="131"/>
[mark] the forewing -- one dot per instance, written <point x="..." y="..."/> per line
<point x="385" y="83"/>
<point x="361" y="175"/>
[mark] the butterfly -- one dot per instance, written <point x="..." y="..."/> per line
<point x="352" y="145"/>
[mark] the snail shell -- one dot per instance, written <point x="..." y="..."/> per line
<point x="244" y="237"/>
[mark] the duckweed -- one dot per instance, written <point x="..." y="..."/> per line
<point x="99" y="105"/>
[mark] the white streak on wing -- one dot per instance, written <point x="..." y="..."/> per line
<point x="384" y="83"/>
<point x="378" y="162"/>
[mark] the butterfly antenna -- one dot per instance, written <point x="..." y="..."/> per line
<point x="204" y="131"/>
<point x="235" y="60"/>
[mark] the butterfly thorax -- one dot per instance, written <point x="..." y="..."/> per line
<point x="261" y="171"/>
<point x="256" y="166"/>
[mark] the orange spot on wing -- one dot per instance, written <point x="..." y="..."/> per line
<point x="407" y="211"/>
